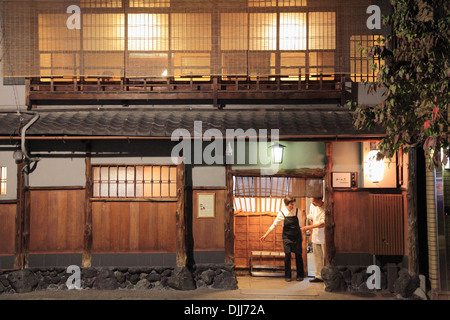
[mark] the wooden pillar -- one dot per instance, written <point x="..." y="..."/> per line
<point x="181" y="246"/>
<point x="330" y="249"/>
<point x="229" y="217"/>
<point x="411" y="197"/>
<point x="86" y="259"/>
<point x="19" y="218"/>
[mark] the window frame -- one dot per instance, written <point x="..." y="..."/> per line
<point x="97" y="184"/>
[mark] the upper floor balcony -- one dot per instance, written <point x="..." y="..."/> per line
<point x="201" y="90"/>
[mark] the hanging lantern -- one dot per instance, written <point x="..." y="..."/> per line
<point x="277" y="152"/>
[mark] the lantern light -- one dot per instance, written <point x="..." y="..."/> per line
<point x="277" y="152"/>
<point x="375" y="168"/>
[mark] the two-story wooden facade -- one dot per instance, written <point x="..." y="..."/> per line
<point x="89" y="175"/>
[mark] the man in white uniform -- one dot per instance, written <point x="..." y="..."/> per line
<point x="317" y="225"/>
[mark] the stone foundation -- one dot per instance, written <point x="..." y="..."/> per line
<point x="216" y="276"/>
<point x="393" y="279"/>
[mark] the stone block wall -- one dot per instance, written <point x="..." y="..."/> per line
<point x="393" y="279"/>
<point x="216" y="276"/>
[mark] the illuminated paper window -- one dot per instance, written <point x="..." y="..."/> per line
<point x="292" y="31"/>
<point x="2" y="180"/>
<point x="360" y="66"/>
<point x="234" y="31"/>
<point x="191" y="31"/>
<point x="54" y="34"/>
<point x="263" y="31"/>
<point x="134" y="181"/>
<point x="103" y="32"/>
<point x="149" y="3"/>
<point x="274" y="3"/>
<point x="148" y="32"/>
<point x="322" y="30"/>
<point x="101" y="3"/>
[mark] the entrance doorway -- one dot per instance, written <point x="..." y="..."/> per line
<point x="257" y="201"/>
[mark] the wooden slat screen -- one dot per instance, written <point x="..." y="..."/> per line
<point x="386" y="224"/>
<point x="7" y="228"/>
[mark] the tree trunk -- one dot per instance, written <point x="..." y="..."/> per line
<point x="413" y="243"/>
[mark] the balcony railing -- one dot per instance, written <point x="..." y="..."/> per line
<point x="193" y="89"/>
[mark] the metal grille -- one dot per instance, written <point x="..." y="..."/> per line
<point x="159" y="38"/>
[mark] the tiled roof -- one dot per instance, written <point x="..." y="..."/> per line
<point x="161" y="123"/>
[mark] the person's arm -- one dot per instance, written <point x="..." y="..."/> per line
<point x="277" y="221"/>
<point x="319" y="224"/>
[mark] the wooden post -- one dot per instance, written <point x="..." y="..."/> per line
<point x="229" y="217"/>
<point x="86" y="259"/>
<point x="181" y="247"/>
<point x="330" y="249"/>
<point x="411" y="196"/>
<point x="19" y="219"/>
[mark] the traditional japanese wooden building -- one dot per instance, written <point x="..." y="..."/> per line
<point x="96" y="95"/>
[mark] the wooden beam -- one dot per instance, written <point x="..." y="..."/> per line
<point x="86" y="260"/>
<point x="181" y="245"/>
<point x="330" y="248"/>
<point x="229" y="217"/>
<point x="155" y="97"/>
<point x="19" y="218"/>
<point x="300" y="173"/>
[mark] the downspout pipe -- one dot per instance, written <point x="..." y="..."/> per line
<point x="22" y="138"/>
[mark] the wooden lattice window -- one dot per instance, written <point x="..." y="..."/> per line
<point x="134" y="181"/>
<point x="360" y="65"/>
<point x="2" y="180"/>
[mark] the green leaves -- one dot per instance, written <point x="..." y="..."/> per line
<point x="416" y="79"/>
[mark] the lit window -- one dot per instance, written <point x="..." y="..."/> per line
<point x="274" y="3"/>
<point x="292" y="31"/>
<point x="360" y="66"/>
<point x="134" y="181"/>
<point x="148" y="32"/>
<point x="101" y="3"/>
<point x="191" y="31"/>
<point x="322" y="30"/>
<point x="149" y="3"/>
<point x="2" y="180"/>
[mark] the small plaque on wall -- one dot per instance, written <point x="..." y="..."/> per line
<point x="206" y="205"/>
<point x="344" y="179"/>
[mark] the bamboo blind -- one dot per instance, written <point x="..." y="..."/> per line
<point x="266" y="194"/>
<point x="154" y="38"/>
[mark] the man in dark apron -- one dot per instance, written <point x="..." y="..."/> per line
<point x="292" y="238"/>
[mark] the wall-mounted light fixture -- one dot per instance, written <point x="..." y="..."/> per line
<point x="277" y="152"/>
